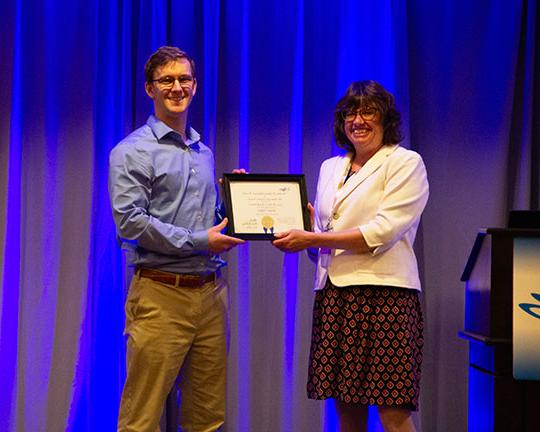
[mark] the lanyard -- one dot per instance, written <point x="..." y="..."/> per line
<point x="344" y="178"/>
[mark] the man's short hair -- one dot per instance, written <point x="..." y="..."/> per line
<point x="161" y="57"/>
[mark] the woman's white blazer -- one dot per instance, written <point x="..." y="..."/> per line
<point x="384" y="200"/>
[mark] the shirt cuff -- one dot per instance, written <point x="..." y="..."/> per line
<point x="200" y="241"/>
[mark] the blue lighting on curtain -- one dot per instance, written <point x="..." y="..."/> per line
<point x="100" y="368"/>
<point x="269" y="75"/>
<point x="211" y="70"/>
<point x="11" y="269"/>
<point x="244" y="271"/>
<point x="291" y="261"/>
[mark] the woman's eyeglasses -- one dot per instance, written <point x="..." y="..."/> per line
<point x="367" y="114"/>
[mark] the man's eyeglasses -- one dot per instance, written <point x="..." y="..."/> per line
<point x="367" y="114"/>
<point x="167" y="82"/>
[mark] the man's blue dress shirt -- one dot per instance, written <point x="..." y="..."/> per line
<point x="163" y="197"/>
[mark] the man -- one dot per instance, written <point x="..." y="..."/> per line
<point x="163" y="196"/>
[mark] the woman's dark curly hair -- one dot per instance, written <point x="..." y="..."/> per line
<point x="361" y="94"/>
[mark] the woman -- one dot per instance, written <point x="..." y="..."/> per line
<point x="367" y="323"/>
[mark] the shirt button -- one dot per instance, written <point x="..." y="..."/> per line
<point x="196" y="193"/>
<point x="192" y="170"/>
<point x="335" y="216"/>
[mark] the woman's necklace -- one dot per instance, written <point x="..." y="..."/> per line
<point x="350" y="173"/>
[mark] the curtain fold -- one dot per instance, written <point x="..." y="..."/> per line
<point x="10" y="214"/>
<point x="465" y="77"/>
<point x="524" y="139"/>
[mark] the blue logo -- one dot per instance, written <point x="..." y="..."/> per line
<point x="528" y="307"/>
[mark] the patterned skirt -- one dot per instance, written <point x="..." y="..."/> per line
<point x="366" y="346"/>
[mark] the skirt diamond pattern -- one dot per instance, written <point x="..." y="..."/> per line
<point x="366" y="346"/>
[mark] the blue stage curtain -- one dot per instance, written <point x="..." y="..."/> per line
<point x="465" y="76"/>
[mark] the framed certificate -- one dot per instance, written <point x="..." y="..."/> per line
<point x="259" y="205"/>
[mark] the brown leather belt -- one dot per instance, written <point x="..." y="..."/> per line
<point x="176" y="279"/>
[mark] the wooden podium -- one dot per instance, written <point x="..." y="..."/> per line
<point x="496" y="400"/>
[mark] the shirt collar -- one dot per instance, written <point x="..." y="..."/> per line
<point x="161" y="130"/>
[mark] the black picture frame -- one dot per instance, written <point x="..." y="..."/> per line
<point x="258" y="205"/>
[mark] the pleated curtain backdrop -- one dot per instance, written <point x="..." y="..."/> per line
<point x="465" y="76"/>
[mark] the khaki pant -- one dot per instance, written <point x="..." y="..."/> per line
<point x="169" y="328"/>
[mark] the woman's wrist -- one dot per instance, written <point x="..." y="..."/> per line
<point x="315" y="239"/>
